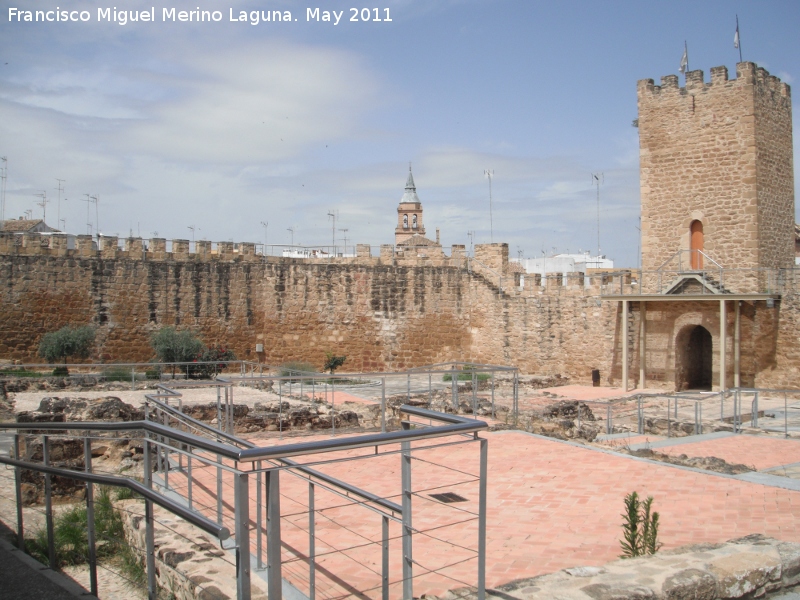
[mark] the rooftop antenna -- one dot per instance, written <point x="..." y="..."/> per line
<point x="192" y="227"/>
<point x="97" y="214"/>
<point x="471" y="235"/>
<point x="265" y="225"/>
<point x="43" y="203"/>
<point x="597" y="179"/>
<point x="345" y="230"/>
<point x="60" y="189"/>
<point x="489" y="173"/>
<point x="88" y="218"/>
<point x="63" y="223"/>
<point x="291" y="230"/>
<point x="332" y="215"/>
<point x="29" y="213"/>
<point x="4" y="177"/>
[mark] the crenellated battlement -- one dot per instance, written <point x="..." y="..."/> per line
<point x="747" y="74"/>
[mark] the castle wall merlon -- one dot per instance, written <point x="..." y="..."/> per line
<point x="747" y="73"/>
<point x="719" y="75"/>
<point x="694" y="80"/>
<point x="669" y="83"/>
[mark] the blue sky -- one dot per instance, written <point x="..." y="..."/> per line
<point x="224" y="125"/>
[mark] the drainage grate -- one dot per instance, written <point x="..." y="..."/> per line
<point x="448" y="497"/>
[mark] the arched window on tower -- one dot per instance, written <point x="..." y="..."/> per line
<point x="414" y="222"/>
<point x="696" y="245"/>
<point x="405" y="221"/>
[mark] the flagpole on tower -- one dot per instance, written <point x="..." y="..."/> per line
<point x="736" y="41"/>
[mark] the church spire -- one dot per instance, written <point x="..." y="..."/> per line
<point x="410" y="181"/>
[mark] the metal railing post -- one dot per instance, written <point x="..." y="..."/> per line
<point x="48" y="503"/>
<point x="242" y="527"/>
<point x="90" y="532"/>
<point x="700" y="410"/>
<point x="333" y="408"/>
<point x="482" y="481"/>
<point x="230" y="410"/>
<point x="274" y="577"/>
<point x="18" y="486"/>
<point x="384" y="558"/>
<point x="259" y="513"/>
<point x="150" y="558"/>
<point x="165" y="440"/>
<point x="383" y="405"/>
<point x="408" y="560"/>
<point x="430" y="389"/>
<point x="219" y="410"/>
<point x="474" y="395"/>
<point x="408" y="388"/>
<point x="609" y="425"/>
<point x="493" y="415"/>
<point x="147" y="459"/>
<point x="785" y="416"/>
<point x="754" y="411"/>
<point x="516" y="397"/>
<point x="312" y="545"/>
<point x="639" y="414"/>
<point x="454" y="388"/>
<point x="189" y="475"/>
<point x="219" y="489"/>
<point x="669" y="427"/>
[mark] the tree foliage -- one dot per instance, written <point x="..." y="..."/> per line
<point x="333" y="362"/>
<point x="67" y="341"/>
<point x="171" y="345"/>
<point x="210" y="361"/>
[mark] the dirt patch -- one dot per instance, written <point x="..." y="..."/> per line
<point x="707" y="463"/>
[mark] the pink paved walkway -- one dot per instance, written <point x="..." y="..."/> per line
<point x="551" y="506"/>
<point x="760" y="452"/>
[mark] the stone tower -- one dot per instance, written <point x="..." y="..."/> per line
<point x="716" y="172"/>
<point x="409" y="213"/>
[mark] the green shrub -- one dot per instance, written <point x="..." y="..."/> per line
<point x="60" y="372"/>
<point x="465" y="374"/>
<point x="639" y="527"/>
<point x="154" y="373"/>
<point x="117" y="374"/>
<point x="210" y="361"/>
<point x="67" y="341"/>
<point x="333" y="362"/>
<point x="171" y="345"/>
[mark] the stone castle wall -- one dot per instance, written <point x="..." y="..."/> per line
<point x="721" y="153"/>
<point x="383" y="313"/>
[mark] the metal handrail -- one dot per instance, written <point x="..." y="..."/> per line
<point x="344" y="486"/>
<point x="218" y="531"/>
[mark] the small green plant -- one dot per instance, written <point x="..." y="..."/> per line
<point x="639" y="527"/>
<point x="333" y="362"/>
